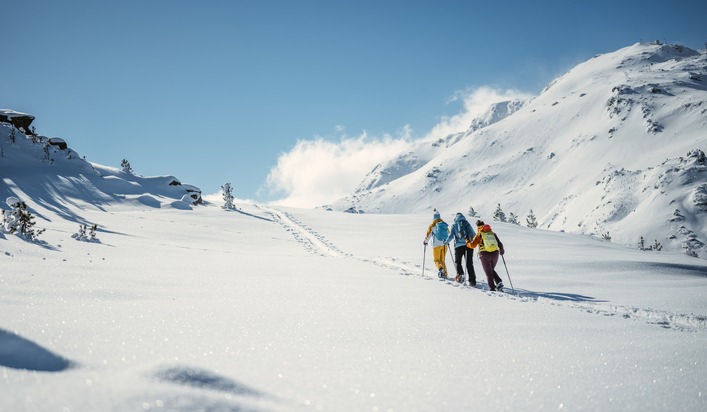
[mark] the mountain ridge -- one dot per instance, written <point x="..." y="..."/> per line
<point x="612" y="149"/>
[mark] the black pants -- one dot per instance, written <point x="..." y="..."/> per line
<point x="468" y="254"/>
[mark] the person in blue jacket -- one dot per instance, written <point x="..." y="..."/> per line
<point x="462" y="232"/>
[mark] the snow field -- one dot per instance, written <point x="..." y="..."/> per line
<point x="274" y="309"/>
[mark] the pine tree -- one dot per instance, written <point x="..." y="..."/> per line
<point x="472" y="212"/>
<point x="12" y="135"/>
<point x="657" y="246"/>
<point x="531" y="220"/>
<point x="126" y="166"/>
<point x="85" y="236"/>
<point x="642" y="244"/>
<point x="92" y="233"/>
<point x="227" y="197"/>
<point x="513" y="219"/>
<point x="20" y="220"/>
<point x="606" y="236"/>
<point x="499" y="215"/>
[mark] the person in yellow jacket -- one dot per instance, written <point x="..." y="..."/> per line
<point x="439" y="230"/>
<point x="490" y="247"/>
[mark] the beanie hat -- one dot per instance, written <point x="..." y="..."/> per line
<point x="436" y="215"/>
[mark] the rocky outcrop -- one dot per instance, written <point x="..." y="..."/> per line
<point x="17" y="119"/>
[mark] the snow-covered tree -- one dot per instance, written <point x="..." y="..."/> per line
<point x="472" y="213"/>
<point x="656" y="245"/>
<point x="125" y="165"/>
<point x="12" y="134"/>
<point x="513" y="219"/>
<point x="531" y="220"/>
<point x="227" y="196"/>
<point x="606" y="236"/>
<point x="86" y="233"/>
<point x="19" y="220"/>
<point x="641" y="244"/>
<point x="499" y="214"/>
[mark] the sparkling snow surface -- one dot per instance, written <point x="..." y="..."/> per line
<point x="271" y="309"/>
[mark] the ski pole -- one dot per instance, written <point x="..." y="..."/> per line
<point x="509" y="275"/>
<point x="455" y="263"/>
<point x="424" y="255"/>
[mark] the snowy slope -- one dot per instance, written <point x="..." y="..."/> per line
<point x="424" y="150"/>
<point x="54" y="178"/>
<point x="614" y="146"/>
<point x="264" y="309"/>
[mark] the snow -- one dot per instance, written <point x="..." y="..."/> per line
<point x="12" y="113"/>
<point x="266" y="308"/>
<point x="179" y="306"/>
<point x="600" y="150"/>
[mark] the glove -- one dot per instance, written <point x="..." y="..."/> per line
<point x="502" y="252"/>
<point x="424" y="242"/>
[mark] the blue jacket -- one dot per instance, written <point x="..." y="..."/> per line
<point x="460" y="231"/>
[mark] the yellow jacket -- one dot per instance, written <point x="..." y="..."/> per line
<point x="435" y="241"/>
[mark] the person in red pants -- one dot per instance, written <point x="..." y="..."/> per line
<point x="490" y="247"/>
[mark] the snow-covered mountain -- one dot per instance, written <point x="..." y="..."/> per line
<point x="613" y="148"/>
<point x="264" y="308"/>
<point x="425" y="150"/>
<point x="48" y="173"/>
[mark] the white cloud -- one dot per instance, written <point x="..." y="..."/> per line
<point x="319" y="171"/>
<point x="474" y="103"/>
<point x="316" y="172"/>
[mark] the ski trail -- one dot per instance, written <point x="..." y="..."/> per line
<point x="315" y="243"/>
<point x="307" y="238"/>
<point x="668" y="320"/>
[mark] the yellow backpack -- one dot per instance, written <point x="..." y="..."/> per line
<point x="489" y="241"/>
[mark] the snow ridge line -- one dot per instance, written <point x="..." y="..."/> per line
<point x="318" y="244"/>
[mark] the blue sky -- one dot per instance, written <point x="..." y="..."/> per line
<point x="224" y="91"/>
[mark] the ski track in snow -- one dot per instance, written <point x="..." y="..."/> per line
<point x="317" y="244"/>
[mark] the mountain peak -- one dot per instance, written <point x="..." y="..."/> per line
<point x="598" y="151"/>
